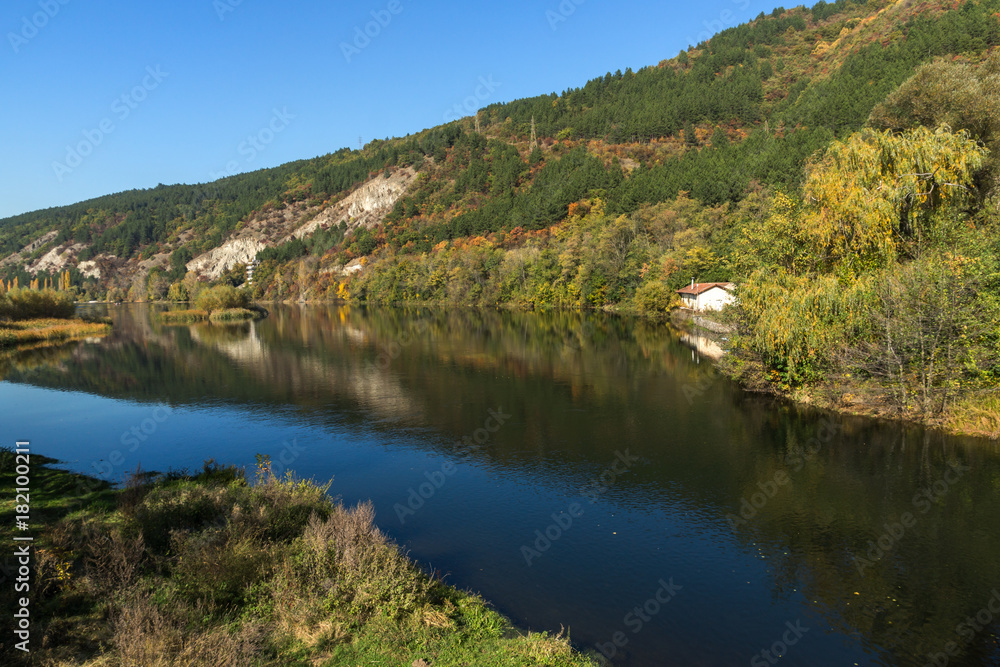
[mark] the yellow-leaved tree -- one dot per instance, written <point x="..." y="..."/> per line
<point x="878" y="192"/>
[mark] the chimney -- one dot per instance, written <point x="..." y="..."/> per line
<point x="692" y="283"/>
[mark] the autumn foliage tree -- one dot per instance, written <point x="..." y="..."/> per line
<point x="829" y="279"/>
<point x="879" y="193"/>
<point x="961" y="95"/>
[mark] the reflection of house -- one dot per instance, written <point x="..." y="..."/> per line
<point x="707" y="296"/>
<point x="704" y="346"/>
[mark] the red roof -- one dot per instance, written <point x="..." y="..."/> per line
<point x="700" y="288"/>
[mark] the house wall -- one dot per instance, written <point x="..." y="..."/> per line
<point x="713" y="299"/>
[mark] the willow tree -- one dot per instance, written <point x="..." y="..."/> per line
<point x="878" y="193"/>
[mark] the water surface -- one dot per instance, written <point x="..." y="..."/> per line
<point x="582" y="472"/>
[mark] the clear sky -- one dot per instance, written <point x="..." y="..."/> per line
<point x="100" y="97"/>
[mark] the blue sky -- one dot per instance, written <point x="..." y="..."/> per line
<point x="104" y="97"/>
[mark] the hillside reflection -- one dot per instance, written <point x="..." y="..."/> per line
<point x="580" y="388"/>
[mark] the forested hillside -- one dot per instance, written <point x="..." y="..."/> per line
<point x="837" y="162"/>
<point x="738" y="112"/>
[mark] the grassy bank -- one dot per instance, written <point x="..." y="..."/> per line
<point x="28" y="317"/>
<point x="182" y="316"/>
<point x="211" y="569"/>
<point x="253" y="312"/>
<point x="15" y="334"/>
<point x="219" y="315"/>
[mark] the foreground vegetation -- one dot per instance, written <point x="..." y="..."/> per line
<point x="211" y="569"/>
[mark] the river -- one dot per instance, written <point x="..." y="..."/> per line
<point x="584" y="472"/>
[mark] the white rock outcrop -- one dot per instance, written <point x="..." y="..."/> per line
<point x="22" y="254"/>
<point x="235" y="251"/>
<point x="365" y="207"/>
<point x="89" y="269"/>
<point x="56" y="259"/>
<point x="375" y="196"/>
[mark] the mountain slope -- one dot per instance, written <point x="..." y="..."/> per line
<point x="742" y="111"/>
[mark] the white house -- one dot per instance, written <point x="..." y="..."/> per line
<point x="707" y="296"/>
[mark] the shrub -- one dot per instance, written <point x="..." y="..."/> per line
<point x="218" y="564"/>
<point x="221" y="297"/>
<point x="183" y="506"/>
<point x="145" y="634"/>
<point x="653" y="298"/>
<point x="28" y="304"/>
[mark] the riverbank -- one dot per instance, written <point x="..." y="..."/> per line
<point x="216" y="569"/>
<point x="976" y="415"/>
<point x="32" y="316"/>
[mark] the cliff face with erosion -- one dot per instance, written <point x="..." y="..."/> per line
<point x="366" y="207"/>
<point x="234" y="251"/>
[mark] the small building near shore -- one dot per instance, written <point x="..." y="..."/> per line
<point x="707" y="296"/>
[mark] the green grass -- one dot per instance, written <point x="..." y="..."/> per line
<point x="210" y="569"/>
